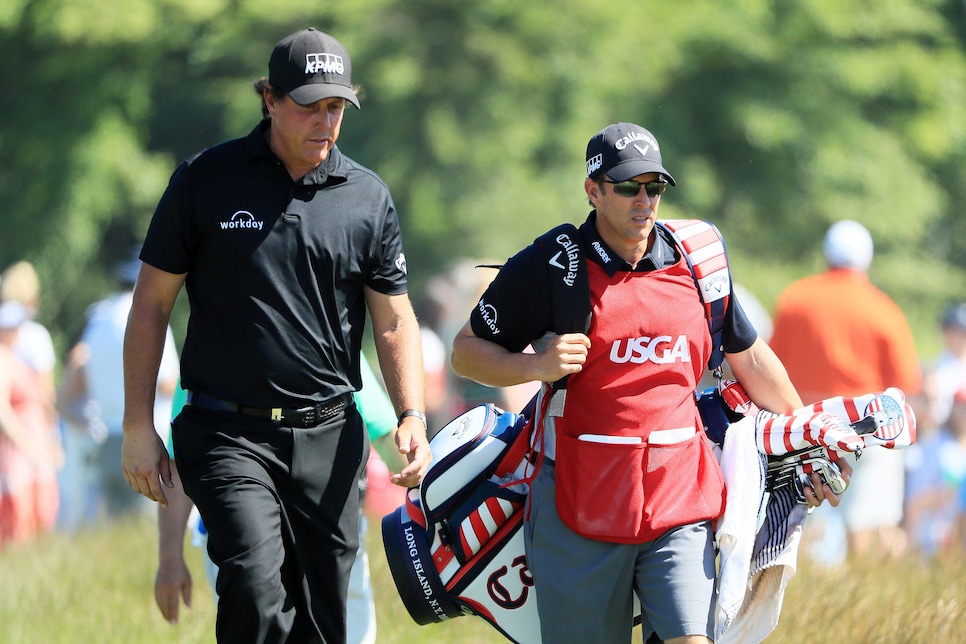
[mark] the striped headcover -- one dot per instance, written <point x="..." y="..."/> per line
<point x="828" y="423"/>
<point x="707" y="257"/>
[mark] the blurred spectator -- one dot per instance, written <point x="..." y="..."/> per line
<point x="28" y="504"/>
<point x="957" y="422"/>
<point x="34" y="346"/>
<point x="439" y="407"/>
<point x="935" y="468"/>
<point x="91" y="398"/>
<point x="839" y="335"/>
<point x="949" y="371"/>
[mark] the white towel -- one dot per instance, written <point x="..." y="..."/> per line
<point x="770" y="574"/>
<point x="758" y="550"/>
<point x="745" y="484"/>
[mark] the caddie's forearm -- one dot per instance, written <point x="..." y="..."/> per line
<point x="490" y="364"/>
<point x="764" y="378"/>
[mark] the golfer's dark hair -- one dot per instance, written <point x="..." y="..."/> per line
<point x="260" y="85"/>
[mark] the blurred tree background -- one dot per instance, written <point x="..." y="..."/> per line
<point x="776" y="118"/>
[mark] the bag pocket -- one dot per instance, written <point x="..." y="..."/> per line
<point x="600" y="490"/>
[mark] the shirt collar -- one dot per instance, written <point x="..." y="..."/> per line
<point x="333" y="170"/>
<point x="663" y="252"/>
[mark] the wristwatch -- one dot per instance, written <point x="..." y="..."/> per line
<point x="412" y="412"/>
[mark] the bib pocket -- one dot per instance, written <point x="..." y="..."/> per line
<point x="600" y="492"/>
<point x="683" y="484"/>
<point x="632" y="492"/>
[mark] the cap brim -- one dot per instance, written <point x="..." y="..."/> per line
<point x="314" y="92"/>
<point x="635" y="167"/>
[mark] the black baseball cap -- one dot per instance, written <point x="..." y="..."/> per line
<point x="311" y="65"/>
<point x="622" y="151"/>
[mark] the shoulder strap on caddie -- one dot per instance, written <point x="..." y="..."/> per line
<point x="567" y="276"/>
<point x="569" y="292"/>
<point x="703" y="247"/>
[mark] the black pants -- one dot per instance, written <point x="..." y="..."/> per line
<point x="281" y="507"/>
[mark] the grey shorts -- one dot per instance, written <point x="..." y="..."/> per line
<point x="585" y="588"/>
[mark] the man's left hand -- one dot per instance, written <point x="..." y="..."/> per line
<point x="412" y="443"/>
<point x="820" y="491"/>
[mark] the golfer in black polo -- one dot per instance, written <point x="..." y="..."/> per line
<point x="282" y="244"/>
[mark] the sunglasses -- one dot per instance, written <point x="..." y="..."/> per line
<point x="633" y="188"/>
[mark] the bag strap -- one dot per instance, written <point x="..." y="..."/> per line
<point x="704" y="250"/>
<point x="566" y="265"/>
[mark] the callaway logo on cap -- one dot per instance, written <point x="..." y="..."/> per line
<point x="311" y="65"/>
<point x="624" y="150"/>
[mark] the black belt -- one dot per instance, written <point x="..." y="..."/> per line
<point x="303" y="417"/>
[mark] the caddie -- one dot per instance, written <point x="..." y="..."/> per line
<point x="628" y="488"/>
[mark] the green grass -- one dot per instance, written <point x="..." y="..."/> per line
<point x="98" y="587"/>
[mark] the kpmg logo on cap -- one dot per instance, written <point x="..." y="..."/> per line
<point x="322" y="63"/>
<point x="594" y="163"/>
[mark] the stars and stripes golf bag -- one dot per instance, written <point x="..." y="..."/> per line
<point x="455" y="547"/>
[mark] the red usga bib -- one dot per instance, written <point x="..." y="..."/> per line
<point x="631" y="458"/>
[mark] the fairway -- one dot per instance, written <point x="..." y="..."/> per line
<point x="98" y="587"/>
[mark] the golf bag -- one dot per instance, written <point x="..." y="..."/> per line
<point x="455" y="547"/>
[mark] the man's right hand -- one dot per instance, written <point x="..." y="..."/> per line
<point x="565" y="355"/>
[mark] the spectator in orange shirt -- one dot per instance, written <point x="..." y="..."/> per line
<point x="839" y="335"/>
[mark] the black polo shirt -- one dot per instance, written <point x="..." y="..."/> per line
<point x="519" y="296"/>
<point x="275" y="270"/>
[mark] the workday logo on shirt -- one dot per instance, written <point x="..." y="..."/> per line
<point x="489" y="316"/>
<point x="242" y="220"/>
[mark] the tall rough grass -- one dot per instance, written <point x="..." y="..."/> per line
<point x="97" y="586"/>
